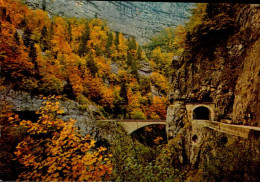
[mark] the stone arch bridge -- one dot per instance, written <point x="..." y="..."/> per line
<point x="130" y="125"/>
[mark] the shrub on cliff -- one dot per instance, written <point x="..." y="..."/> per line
<point x="53" y="150"/>
<point x="235" y="161"/>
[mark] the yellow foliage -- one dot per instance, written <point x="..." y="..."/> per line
<point x="158" y="108"/>
<point x="160" y="81"/>
<point x="59" y="39"/>
<point x="198" y="14"/>
<point x="54" y="151"/>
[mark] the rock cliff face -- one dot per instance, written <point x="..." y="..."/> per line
<point x="221" y="67"/>
<point x="140" y="19"/>
<point x="26" y="104"/>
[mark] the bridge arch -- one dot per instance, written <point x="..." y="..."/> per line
<point x="151" y="135"/>
<point x="130" y="127"/>
<point x="132" y="131"/>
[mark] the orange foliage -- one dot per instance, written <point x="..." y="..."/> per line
<point x="103" y="67"/>
<point x="73" y="56"/>
<point x="158" y="108"/>
<point x="36" y="20"/>
<point x="60" y="37"/>
<point x="97" y="39"/>
<point x="54" y="151"/>
<point x="160" y="81"/>
<point x="16" y="61"/>
<point x="120" y="54"/>
<point x="75" y="80"/>
<point x="107" y="97"/>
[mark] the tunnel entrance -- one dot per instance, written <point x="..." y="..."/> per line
<point x="28" y="115"/>
<point x="201" y="113"/>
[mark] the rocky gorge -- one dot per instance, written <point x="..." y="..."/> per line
<point x="214" y="89"/>
<point x="221" y="67"/>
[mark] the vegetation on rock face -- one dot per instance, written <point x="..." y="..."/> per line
<point x="73" y="57"/>
<point x="10" y="137"/>
<point x="133" y="161"/>
<point x="207" y="61"/>
<point x="53" y="150"/>
<point x="234" y="160"/>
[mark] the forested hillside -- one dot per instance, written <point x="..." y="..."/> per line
<point x="81" y="59"/>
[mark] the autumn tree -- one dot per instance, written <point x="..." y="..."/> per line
<point x="27" y="37"/>
<point x="11" y="135"/>
<point x="53" y="150"/>
<point x="83" y="40"/>
<point x="109" y="43"/>
<point x="139" y="53"/>
<point x="92" y="66"/>
<point x="44" y="39"/>
<point x="132" y="57"/>
<point x="117" y="40"/>
<point x="123" y="95"/>
<point x="158" y="108"/>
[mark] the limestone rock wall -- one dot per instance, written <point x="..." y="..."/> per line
<point x="222" y="64"/>
<point x="24" y="101"/>
<point x="246" y="108"/>
<point x="140" y="19"/>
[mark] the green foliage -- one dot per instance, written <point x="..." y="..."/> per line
<point x="109" y="43"/>
<point x="139" y="53"/>
<point x="44" y="5"/>
<point x="29" y="83"/>
<point x="81" y="99"/>
<point x="132" y="43"/>
<point x="145" y="85"/>
<point x="117" y="40"/>
<point x="92" y="67"/>
<point x="83" y="41"/>
<point x="137" y="114"/>
<point x="163" y="39"/>
<point x="69" y="31"/>
<point x="27" y="37"/>
<point x="45" y="39"/>
<point x="235" y="161"/>
<point x="123" y="92"/>
<point x="134" y="69"/>
<point x="197" y="17"/>
<point x="133" y="161"/>
<point x="51" y="85"/>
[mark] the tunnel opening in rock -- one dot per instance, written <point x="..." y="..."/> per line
<point x="28" y="115"/>
<point x="151" y="135"/>
<point x="201" y="113"/>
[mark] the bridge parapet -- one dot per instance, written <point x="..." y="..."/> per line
<point x="236" y="130"/>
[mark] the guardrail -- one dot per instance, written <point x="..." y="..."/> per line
<point x="232" y="129"/>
